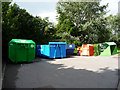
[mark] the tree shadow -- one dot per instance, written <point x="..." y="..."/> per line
<point x="43" y="74"/>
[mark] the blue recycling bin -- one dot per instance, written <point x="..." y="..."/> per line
<point x="42" y="50"/>
<point x="70" y="49"/>
<point x="53" y="50"/>
<point x="37" y="50"/>
<point x="57" y="49"/>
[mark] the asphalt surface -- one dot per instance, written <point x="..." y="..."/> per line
<point x="73" y="72"/>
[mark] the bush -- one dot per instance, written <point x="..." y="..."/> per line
<point x="95" y="49"/>
<point x="77" y="43"/>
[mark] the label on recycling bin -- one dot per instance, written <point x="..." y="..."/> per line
<point x="103" y="47"/>
<point x="23" y="41"/>
<point x="32" y="46"/>
<point x="11" y="44"/>
<point x="52" y="45"/>
<point x="84" y="52"/>
<point x="70" y="46"/>
<point x="16" y="41"/>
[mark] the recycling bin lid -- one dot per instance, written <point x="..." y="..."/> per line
<point x="110" y="43"/>
<point x="21" y="41"/>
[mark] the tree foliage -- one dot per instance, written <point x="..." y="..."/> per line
<point x="84" y="20"/>
<point x="67" y="37"/>
<point x="114" y="26"/>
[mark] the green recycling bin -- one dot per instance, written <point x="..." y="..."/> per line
<point x="21" y="50"/>
<point x="107" y="49"/>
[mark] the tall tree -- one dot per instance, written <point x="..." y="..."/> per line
<point x="97" y="30"/>
<point x="80" y="15"/>
<point x="80" y="12"/>
<point x="114" y="26"/>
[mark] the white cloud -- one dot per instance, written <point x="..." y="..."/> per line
<point x="51" y="15"/>
<point x="112" y="6"/>
<point x="35" y="0"/>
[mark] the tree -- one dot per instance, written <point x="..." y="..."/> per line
<point x="80" y="12"/>
<point x="18" y="23"/>
<point x="82" y="15"/>
<point x="114" y="26"/>
<point x="5" y="36"/>
<point x="66" y="26"/>
<point x="96" y="30"/>
<point x="67" y="37"/>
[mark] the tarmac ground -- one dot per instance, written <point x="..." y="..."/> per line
<point x="72" y="72"/>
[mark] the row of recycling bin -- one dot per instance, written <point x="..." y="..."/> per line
<point x="25" y="50"/>
<point x="55" y="50"/>
<point x="101" y="49"/>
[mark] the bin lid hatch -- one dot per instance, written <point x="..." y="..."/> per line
<point x="110" y="43"/>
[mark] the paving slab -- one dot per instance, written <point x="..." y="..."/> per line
<point x="72" y="72"/>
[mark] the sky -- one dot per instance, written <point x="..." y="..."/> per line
<point x="47" y="8"/>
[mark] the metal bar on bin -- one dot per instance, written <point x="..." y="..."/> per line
<point x="61" y="53"/>
<point x="55" y="51"/>
<point x="27" y="50"/>
<point x="16" y="46"/>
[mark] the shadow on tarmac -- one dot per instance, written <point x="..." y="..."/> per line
<point x="42" y="74"/>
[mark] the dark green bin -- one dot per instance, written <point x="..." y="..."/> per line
<point x="21" y="50"/>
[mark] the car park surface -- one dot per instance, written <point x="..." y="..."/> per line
<point x="72" y="72"/>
